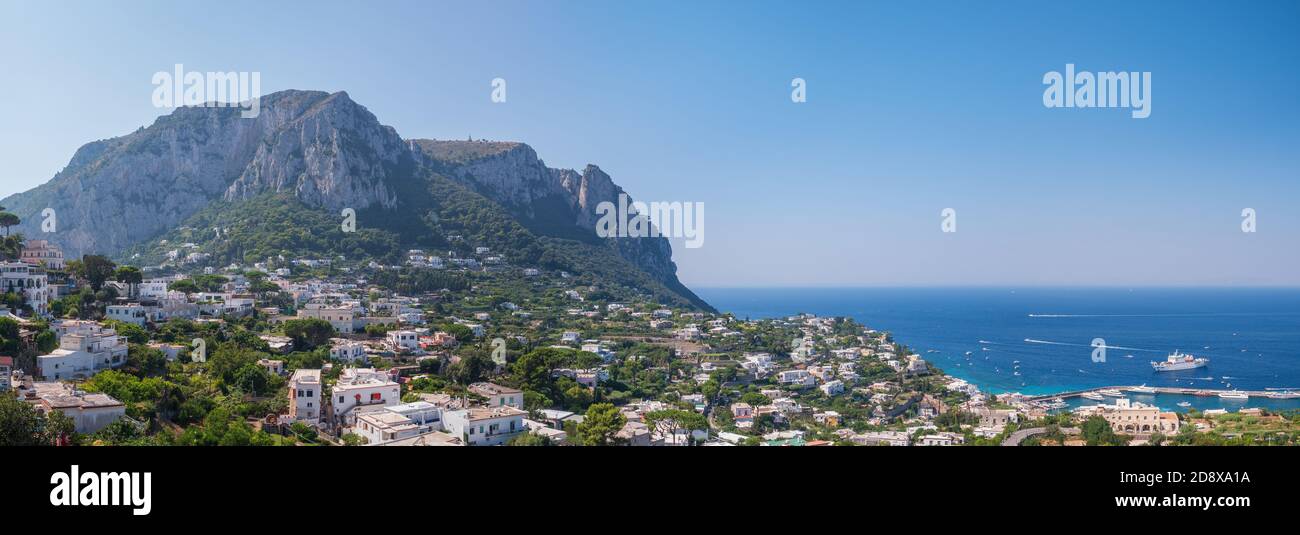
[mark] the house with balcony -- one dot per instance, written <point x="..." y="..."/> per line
<point x="85" y="348"/>
<point x="362" y="387"/>
<point x="43" y="253"/>
<point x="28" y="281"/>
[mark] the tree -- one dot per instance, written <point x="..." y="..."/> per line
<point x="1097" y="432"/>
<point x="46" y="341"/>
<point x="20" y="425"/>
<point x="185" y="286"/>
<point x="9" y="337"/>
<point x="129" y="275"/>
<point x="600" y="424"/>
<point x="308" y="333"/>
<point x="97" y="270"/>
<point x="531" y="373"/>
<point x="252" y="378"/>
<point x="8" y="219"/>
<point x="670" y="422"/>
<point x="460" y="332"/>
<point x="529" y="439"/>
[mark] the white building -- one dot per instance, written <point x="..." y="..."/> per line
<point x="347" y="350"/>
<point x="155" y="288"/>
<point x="84" y="348"/>
<point x="1134" y="418"/>
<point x="403" y="340"/>
<point x="132" y="313"/>
<point x="798" y="378"/>
<point x="361" y="387"/>
<point x="479" y="426"/>
<point x="832" y="388"/>
<point x="304" y="396"/>
<point x="28" y="281"/>
<point x="344" y="318"/>
<point x="397" y="422"/>
<point x="6" y="368"/>
<point x="89" y="411"/>
<point x="499" y="396"/>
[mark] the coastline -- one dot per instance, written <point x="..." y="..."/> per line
<point x="925" y="319"/>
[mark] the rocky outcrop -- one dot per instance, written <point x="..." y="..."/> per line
<point x="322" y="148"/>
<point x="333" y="154"/>
<point x="326" y="149"/>
<point x="559" y="202"/>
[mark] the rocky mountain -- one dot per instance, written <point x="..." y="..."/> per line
<point x="326" y="152"/>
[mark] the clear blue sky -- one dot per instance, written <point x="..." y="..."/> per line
<point x="912" y="107"/>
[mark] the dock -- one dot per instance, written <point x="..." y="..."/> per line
<point x="1206" y="392"/>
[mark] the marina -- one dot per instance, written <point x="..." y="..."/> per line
<point x="1178" y="399"/>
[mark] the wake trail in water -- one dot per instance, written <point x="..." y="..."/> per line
<point x="1049" y="342"/>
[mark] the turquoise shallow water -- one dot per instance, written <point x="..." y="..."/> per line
<point x="1251" y="336"/>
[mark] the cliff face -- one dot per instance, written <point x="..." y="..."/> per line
<point x="324" y="149"/>
<point x="114" y="193"/>
<point x="333" y="154"/>
<point x="556" y="202"/>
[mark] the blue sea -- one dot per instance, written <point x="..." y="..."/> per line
<point x="1251" y="336"/>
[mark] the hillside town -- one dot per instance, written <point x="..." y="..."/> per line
<point x="302" y="351"/>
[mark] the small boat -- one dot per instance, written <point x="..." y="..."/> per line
<point x="1093" y="396"/>
<point x="1235" y="394"/>
<point x="1184" y="404"/>
<point x="1144" y="389"/>
<point x="968" y="352"/>
<point x="985" y="349"/>
<point x="1111" y="392"/>
<point x="1128" y="356"/>
<point x="1017" y="374"/>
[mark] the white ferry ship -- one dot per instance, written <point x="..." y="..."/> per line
<point x="1235" y="394"/>
<point x="1144" y="389"/>
<point x="1093" y="396"/>
<point x="1180" y="361"/>
<point x="1111" y="392"/>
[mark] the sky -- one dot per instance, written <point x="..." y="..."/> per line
<point x="911" y="108"/>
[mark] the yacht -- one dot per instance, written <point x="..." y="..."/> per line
<point x="1184" y="404"/>
<point x="1144" y="389"/>
<point x="1180" y="361"/>
<point x="1093" y="396"/>
<point x="1111" y="392"/>
<point x="1054" y="403"/>
<point x="1235" y="394"/>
